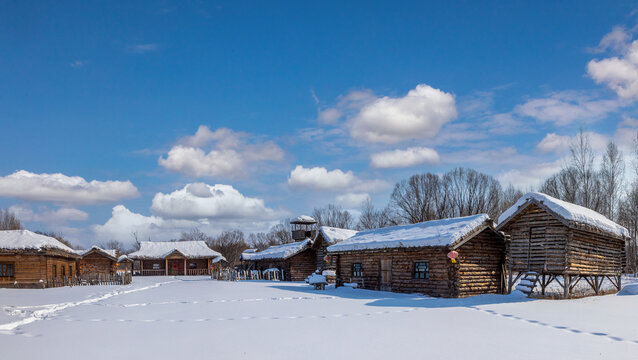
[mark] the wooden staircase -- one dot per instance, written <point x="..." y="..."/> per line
<point x="528" y="283"/>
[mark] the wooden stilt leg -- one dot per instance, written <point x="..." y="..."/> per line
<point x="566" y="286"/>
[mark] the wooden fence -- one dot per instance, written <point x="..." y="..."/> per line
<point x="91" y="279"/>
<point x="238" y="275"/>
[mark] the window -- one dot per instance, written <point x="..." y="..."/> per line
<point x="357" y="270"/>
<point x="6" y="270"/>
<point x="192" y="265"/>
<point x="421" y="270"/>
<point x="63" y="273"/>
<point x="70" y="271"/>
<point x="156" y="266"/>
<point x="55" y="271"/>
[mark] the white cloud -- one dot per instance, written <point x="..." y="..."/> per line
<point x="329" y="116"/>
<point x="77" y="63"/>
<point x="418" y="115"/>
<point x="55" y="216"/>
<point x="230" y="153"/>
<point x="320" y="179"/>
<point x="619" y="73"/>
<point x="404" y="158"/>
<point x="202" y="201"/>
<point x="565" y="107"/>
<point x="530" y="176"/>
<point x="352" y="200"/>
<point x="144" y="48"/>
<point x="553" y="143"/>
<point x="62" y="189"/>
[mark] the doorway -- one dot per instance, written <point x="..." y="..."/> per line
<point x="386" y="275"/>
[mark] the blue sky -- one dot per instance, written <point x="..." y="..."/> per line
<point x="295" y="104"/>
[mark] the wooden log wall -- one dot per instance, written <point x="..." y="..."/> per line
<point x="301" y="265"/>
<point x="537" y="242"/>
<point x="594" y="254"/>
<point x="480" y="265"/>
<point x="96" y="263"/>
<point x="320" y="247"/>
<point x="441" y="281"/>
<point x="30" y="268"/>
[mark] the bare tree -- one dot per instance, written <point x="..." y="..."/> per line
<point x="334" y="216"/>
<point x="113" y="245"/>
<point x="230" y="244"/>
<point x="419" y="198"/>
<point x="582" y="162"/>
<point x="9" y="221"/>
<point x="471" y="192"/>
<point x="611" y="177"/>
<point x="194" y="235"/>
<point x="136" y="242"/>
<point x="628" y="217"/>
<point x="371" y="218"/>
<point x="510" y="197"/>
<point x="281" y="233"/>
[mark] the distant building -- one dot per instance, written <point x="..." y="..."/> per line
<point x="175" y="258"/>
<point x="32" y="260"/>
<point x="295" y="260"/>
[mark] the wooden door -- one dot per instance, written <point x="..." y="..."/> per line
<point x="386" y="275"/>
<point x="174" y="268"/>
<point x="535" y="249"/>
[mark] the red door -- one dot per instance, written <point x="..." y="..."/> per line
<point x="173" y="267"/>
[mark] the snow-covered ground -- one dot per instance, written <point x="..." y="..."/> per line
<point x="182" y="317"/>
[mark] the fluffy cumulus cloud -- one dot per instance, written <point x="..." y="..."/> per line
<point x="322" y="179"/>
<point x="222" y="152"/>
<point x="202" y="201"/>
<point x="63" y="189"/>
<point x="53" y="216"/>
<point x="566" y="107"/>
<point x="404" y="158"/>
<point x="619" y="72"/>
<point x="418" y="115"/>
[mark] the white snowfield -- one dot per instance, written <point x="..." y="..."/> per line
<point x="430" y="233"/>
<point x="160" y="249"/>
<point x="28" y="240"/>
<point x="196" y="317"/>
<point x="567" y="211"/>
<point x="278" y="252"/>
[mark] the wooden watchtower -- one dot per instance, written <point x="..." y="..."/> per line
<point x="552" y="240"/>
<point x="303" y="227"/>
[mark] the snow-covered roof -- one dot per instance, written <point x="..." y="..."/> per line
<point x="575" y="215"/>
<point x="279" y="252"/>
<point x="124" y="258"/>
<point x="303" y="219"/>
<point x="28" y="240"/>
<point x="109" y="252"/>
<point x="445" y="232"/>
<point x="333" y="235"/>
<point x="161" y="249"/>
<point x="250" y="251"/>
<point x="218" y="259"/>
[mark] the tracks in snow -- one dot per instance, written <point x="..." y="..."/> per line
<point x="50" y="309"/>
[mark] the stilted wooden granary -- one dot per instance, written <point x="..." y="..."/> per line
<point x="449" y="258"/>
<point x="32" y="260"/>
<point x="553" y="240"/>
<point x="296" y="260"/>
<point x="174" y="258"/>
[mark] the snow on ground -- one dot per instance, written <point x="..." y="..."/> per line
<point x="167" y="317"/>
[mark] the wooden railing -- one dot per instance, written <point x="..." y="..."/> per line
<point x="91" y="279"/>
<point x="153" y="272"/>
<point x="197" y="272"/>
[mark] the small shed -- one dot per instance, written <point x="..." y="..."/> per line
<point x="32" y="260"/>
<point x="174" y="258"/>
<point x="297" y="259"/>
<point x="552" y="240"/>
<point x="325" y="237"/>
<point x="124" y="265"/>
<point x="448" y="258"/>
<point x="97" y="261"/>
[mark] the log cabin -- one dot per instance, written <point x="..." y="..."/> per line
<point x="325" y="237"/>
<point x="174" y="258"/>
<point x="124" y="265"/>
<point x="295" y="260"/>
<point x="30" y="260"/>
<point x="455" y="257"/>
<point x="97" y="261"/>
<point x="552" y="240"/>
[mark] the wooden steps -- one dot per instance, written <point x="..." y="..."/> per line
<point x="528" y="283"/>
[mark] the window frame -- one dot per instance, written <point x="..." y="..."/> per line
<point x="6" y="273"/>
<point x="426" y="272"/>
<point x="357" y="273"/>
